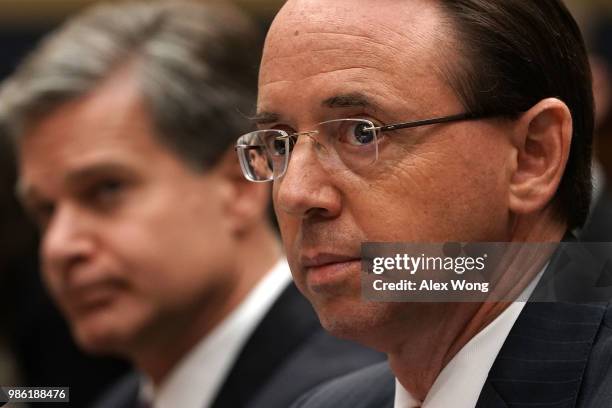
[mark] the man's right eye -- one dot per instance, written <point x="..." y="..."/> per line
<point x="279" y="145"/>
<point x="276" y="139"/>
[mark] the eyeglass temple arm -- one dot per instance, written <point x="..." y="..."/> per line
<point x="434" y="121"/>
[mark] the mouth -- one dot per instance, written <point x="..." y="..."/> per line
<point x="324" y="271"/>
<point x="83" y="299"/>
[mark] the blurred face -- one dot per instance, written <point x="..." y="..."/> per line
<point x="135" y="245"/>
<point x="380" y="61"/>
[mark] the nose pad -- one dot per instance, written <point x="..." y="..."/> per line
<point x="310" y="136"/>
<point x="324" y="153"/>
<point x="319" y="147"/>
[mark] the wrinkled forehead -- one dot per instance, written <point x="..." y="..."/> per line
<point x="390" y="44"/>
<point x="307" y="29"/>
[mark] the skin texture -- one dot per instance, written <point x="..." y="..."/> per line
<point x="143" y="255"/>
<point x="486" y="180"/>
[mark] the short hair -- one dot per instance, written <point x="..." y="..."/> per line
<point x="515" y="53"/>
<point x="195" y="63"/>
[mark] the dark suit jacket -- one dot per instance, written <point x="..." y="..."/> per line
<point x="557" y="355"/>
<point x="287" y="355"/>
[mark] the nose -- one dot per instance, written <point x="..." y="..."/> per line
<point x="65" y="242"/>
<point x="307" y="189"/>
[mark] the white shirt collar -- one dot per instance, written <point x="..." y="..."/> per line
<point x="459" y="384"/>
<point x="196" y="379"/>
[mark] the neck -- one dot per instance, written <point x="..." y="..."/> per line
<point x="417" y="362"/>
<point x="159" y="352"/>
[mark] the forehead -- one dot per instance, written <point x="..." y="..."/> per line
<point x="108" y="126"/>
<point x="386" y="45"/>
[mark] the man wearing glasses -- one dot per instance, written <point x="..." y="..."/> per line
<point x="433" y="121"/>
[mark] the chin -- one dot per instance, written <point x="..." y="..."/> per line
<point x="100" y="335"/>
<point x="104" y="345"/>
<point x="358" y="321"/>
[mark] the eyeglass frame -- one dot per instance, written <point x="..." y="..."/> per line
<point x="466" y="116"/>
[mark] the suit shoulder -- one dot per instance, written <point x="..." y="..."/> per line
<point x="122" y="394"/>
<point x="370" y="387"/>
<point x="288" y="355"/>
<point x="320" y="358"/>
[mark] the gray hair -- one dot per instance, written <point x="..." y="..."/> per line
<point x="196" y="65"/>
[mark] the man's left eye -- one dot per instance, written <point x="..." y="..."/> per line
<point x="359" y="134"/>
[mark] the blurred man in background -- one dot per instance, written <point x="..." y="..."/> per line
<point x="153" y="245"/>
<point x="36" y="336"/>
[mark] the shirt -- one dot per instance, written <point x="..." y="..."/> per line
<point x="459" y="384"/>
<point x="196" y="380"/>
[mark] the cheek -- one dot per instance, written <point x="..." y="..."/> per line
<point x="289" y="229"/>
<point x="169" y="252"/>
<point x="186" y="223"/>
<point x="164" y="275"/>
<point x="449" y="194"/>
<point x="173" y="249"/>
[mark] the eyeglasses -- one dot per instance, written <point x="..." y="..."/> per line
<point x="341" y="144"/>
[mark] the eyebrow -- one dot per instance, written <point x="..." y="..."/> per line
<point x="264" y="118"/>
<point x="96" y="171"/>
<point x="349" y="100"/>
<point x="26" y="193"/>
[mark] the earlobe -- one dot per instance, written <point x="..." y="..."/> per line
<point x="543" y="144"/>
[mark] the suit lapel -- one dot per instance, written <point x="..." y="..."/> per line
<point x="490" y="398"/>
<point x="124" y="394"/>
<point x="288" y="323"/>
<point x="544" y="357"/>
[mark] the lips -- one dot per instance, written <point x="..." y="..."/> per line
<point x="324" y="271"/>
<point x="86" y="293"/>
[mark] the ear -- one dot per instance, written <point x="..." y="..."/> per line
<point x="542" y="141"/>
<point x="248" y="202"/>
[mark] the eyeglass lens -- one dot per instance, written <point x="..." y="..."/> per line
<point x="343" y="144"/>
